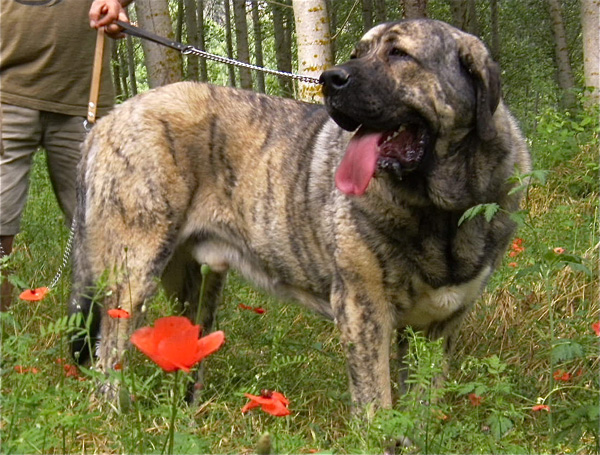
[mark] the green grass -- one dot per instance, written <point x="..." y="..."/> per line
<point x="533" y="320"/>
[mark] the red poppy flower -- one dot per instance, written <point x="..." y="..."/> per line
<point x="517" y="247"/>
<point x="541" y="407"/>
<point x="559" y="250"/>
<point x="560" y="375"/>
<point x="475" y="399"/>
<point x="21" y="369"/>
<point x="596" y="327"/>
<point x="33" y="295"/>
<point x="71" y="371"/>
<point x="513" y="264"/>
<point x="256" y="309"/>
<point x="271" y="402"/>
<point x="174" y="344"/>
<point x="118" y="313"/>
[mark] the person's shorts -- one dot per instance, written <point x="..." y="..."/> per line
<point x="23" y="132"/>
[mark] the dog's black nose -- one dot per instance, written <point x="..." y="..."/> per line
<point x="335" y="78"/>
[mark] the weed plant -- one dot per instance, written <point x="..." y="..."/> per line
<point x="528" y="344"/>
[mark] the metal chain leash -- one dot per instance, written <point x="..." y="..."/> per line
<point x="66" y="256"/>
<point x="65" y="259"/>
<point x="229" y="61"/>
<point x="188" y="49"/>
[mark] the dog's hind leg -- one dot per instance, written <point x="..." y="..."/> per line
<point x="184" y="280"/>
<point x="127" y="257"/>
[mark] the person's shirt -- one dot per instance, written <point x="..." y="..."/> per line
<point x="47" y="55"/>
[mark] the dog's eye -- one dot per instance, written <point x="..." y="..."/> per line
<point x="397" y="53"/>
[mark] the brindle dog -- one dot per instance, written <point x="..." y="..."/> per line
<point x="351" y="209"/>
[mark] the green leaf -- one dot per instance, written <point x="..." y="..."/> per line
<point x="470" y="213"/>
<point x="488" y="211"/>
<point x="567" y="350"/>
<point x="520" y="217"/>
<point x="17" y="282"/>
<point x="499" y="425"/>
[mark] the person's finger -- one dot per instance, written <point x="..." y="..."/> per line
<point x="96" y="11"/>
<point x="110" y="13"/>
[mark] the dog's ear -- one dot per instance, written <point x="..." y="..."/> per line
<point x="486" y="78"/>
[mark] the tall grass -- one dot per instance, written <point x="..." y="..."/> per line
<point x="530" y="330"/>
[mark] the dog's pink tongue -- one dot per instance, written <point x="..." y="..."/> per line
<point x="358" y="165"/>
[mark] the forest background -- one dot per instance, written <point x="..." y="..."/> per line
<point x="526" y="376"/>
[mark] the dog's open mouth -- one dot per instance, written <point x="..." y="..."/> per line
<point x="400" y="150"/>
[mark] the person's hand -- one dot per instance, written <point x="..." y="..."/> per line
<point x="104" y="12"/>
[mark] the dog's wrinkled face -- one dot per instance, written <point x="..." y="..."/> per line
<point x="407" y="85"/>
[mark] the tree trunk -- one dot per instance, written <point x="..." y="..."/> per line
<point x="495" y="25"/>
<point x="118" y="73"/>
<point x="258" y="50"/>
<point x="367" y="14"/>
<point x="241" y="40"/>
<point x="590" y="21"/>
<point x="179" y="22"/>
<point x="332" y="27"/>
<point x="464" y="15"/>
<point x="282" y="24"/>
<point x="314" y="44"/>
<point x="229" y="42"/>
<point x="192" y="38"/>
<point x="473" y="24"/>
<point x="379" y="8"/>
<point x="163" y="64"/>
<point x="563" y="66"/>
<point x="202" y="42"/>
<point x="414" y="9"/>
<point x="131" y="66"/>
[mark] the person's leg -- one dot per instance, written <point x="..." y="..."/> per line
<point x="62" y="139"/>
<point x="21" y="134"/>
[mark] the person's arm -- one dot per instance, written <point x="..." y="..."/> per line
<point x="104" y="12"/>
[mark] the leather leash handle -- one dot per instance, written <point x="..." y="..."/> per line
<point x="96" y="74"/>
<point x="141" y="33"/>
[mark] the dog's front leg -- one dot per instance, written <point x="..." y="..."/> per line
<point x="365" y="325"/>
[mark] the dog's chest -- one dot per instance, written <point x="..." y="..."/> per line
<point x="430" y="305"/>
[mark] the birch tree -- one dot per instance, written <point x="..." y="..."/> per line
<point x="590" y="21"/>
<point x="163" y="64"/>
<point x="314" y="44"/>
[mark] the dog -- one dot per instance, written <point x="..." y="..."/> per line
<point x="352" y="209"/>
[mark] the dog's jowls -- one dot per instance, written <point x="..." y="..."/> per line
<point x="351" y="210"/>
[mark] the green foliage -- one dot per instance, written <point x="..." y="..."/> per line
<point x="487" y="210"/>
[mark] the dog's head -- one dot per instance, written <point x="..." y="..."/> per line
<point x="408" y="86"/>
